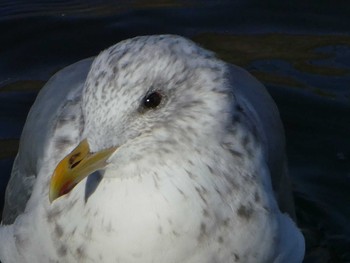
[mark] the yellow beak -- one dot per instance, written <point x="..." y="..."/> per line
<point x="75" y="167"/>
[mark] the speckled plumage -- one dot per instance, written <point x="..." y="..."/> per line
<point x="190" y="181"/>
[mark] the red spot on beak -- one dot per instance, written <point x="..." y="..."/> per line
<point x="66" y="188"/>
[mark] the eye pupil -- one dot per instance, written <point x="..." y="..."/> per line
<point x="152" y="100"/>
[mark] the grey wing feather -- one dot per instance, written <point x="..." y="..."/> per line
<point x="253" y="97"/>
<point x="54" y="103"/>
<point x="18" y="192"/>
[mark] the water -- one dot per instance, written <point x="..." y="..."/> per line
<point x="300" y="51"/>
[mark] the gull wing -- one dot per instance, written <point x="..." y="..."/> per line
<point x="55" y="117"/>
<point x="263" y="114"/>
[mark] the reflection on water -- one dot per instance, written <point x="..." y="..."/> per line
<point x="300" y="51"/>
<point x="289" y="60"/>
<point x="88" y="8"/>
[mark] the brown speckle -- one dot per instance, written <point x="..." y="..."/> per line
<point x="156" y="185"/>
<point x="201" y="194"/>
<point x="63" y="142"/>
<point x="220" y="239"/>
<point x="73" y="231"/>
<point x="53" y="213"/>
<point x="88" y="231"/>
<point x="62" y="251"/>
<point x="245" y="141"/>
<point x="256" y="197"/>
<point x="202" y="231"/>
<point x="20" y="241"/>
<point x="231" y="181"/>
<point x="245" y="212"/>
<point x="170" y="221"/>
<point x="205" y="213"/>
<point x="109" y="227"/>
<point x="115" y="70"/>
<point x="190" y="174"/>
<point x="219" y="192"/>
<point x="80" y="252"/>
<point x="226" y="222"/>
<point x="211" y="170"/>
<point x="58" y="230"/>
<point x="181" y="192"/>
<point x="236" y="153"/>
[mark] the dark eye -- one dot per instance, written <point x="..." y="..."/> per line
<point x="152" y="100"/>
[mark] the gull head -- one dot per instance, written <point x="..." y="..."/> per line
<point x="143" y="96"/>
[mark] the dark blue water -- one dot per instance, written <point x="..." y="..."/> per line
<point x="300" y="51"/>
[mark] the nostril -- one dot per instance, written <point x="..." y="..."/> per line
<point x="75" y="164"/>
<point x="73" y="160"/>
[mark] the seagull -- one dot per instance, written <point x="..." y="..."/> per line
<point x="154" y="151"/>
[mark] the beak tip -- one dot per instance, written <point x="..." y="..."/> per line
<point x="52" y="197"/>
<point x="75" y="167"/>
